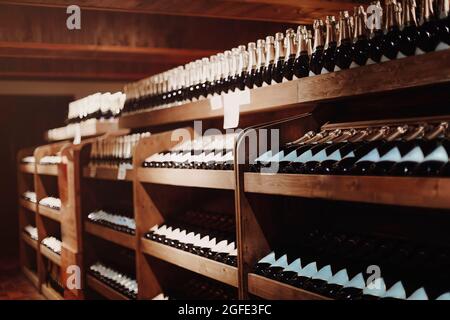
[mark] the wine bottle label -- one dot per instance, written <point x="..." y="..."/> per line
<point x="376" y="288"/>
<point x="336" y="156"/>
<point x="393" y="155"/>
<point x="419" y="52"/>
<point x="324" y="274"/>
<point x="319" y="156"/>
<point x="370" y="61"/>
<point x="291" y="156"/>
<point x="228" y="157"/>
<point x="277" y="157"/>
<point x="340" y="278"/>
<point x="419" y="294"/>
<point x="350" y="155"/>
<point x="356" y="282"/>
<point x="439" y="154"/>
<point x="309" y="270"/>
<point x="354" y="65"/>
<point x="442" y="46"/>
<point x="372" y="156"/>
<point x="264" y="157"/>
<point x="305" y="156"/>
<point x="282" y="262"/>
<point x="400" y="55"/>
<point x="444" y="296"/>
<point x="270" y="258"/>
<point x="295" y="266"/>
<point x="396" y="291"/>
<point x="415" y="155"/>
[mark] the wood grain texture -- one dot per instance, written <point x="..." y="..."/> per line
<point x="27" y="205"/>
<point x="49" y="254"/>
<point x="104" y="289"/>
<point x="108" y="234"/>
<point x="273" y="290"/>
<point x="206" y="267"/>
<point x="26" y="168"/>
<point x="31" y="276"/>
<point x="50" y="293"/>
<point x="106" y="173"/>
<point x="406" y="191"/>
<point x="32" y="243"/>
<point x="215" y="179"/>
<point x="50" y="213"/>
<point x="47" y="169"/>
<point x="87" y="129"/>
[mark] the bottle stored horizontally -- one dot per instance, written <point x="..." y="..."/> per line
<point x="360" y="49"/>
<point x="329" y="53"/>
<point x="316" y="61"/>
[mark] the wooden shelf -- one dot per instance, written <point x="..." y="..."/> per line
<point x="433" y="68"/>
<point x="104" y="173"/>
<point x="204" y="266"/>
<point x="120" y="238"/>
<point x="49" y="254"/>
<point x="273" y="290"/>
<point x="26" y="167"/>
<point x="87" y="129"/>
<point x="31" y="275"/>
<point x="215" y="179"/>
<point x="406" y="191"/>
<point x="104" y="289"/>
<point x="50" y="213"/>
<point x="50" y="293"/>
<point x="47" y="169"/>
<point x="28" y="240"/>
<point x="27" y="204"/>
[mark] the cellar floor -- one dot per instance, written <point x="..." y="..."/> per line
<point x="14" y="285"/>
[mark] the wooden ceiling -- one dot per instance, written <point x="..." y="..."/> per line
<point x="130" y="39"/>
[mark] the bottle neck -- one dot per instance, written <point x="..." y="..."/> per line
<point x="416" y="133"/>
<point x="427" y="11"/>
<point x="318" y="38"/>
<point x="279" y="49"/>
<point x="260" y="57"/>
<point x="270" y="53"/>
<point x="438" y="131"/>
<point x="252" y="61"/>
<point x="331" y="34"/>
<point x="391" y="16"/>
<point x="444" y="9"/>
<point x="302" y="43"/>
<point x="344" y="30"/>
<point x="409" y="13"/>
<point x="290" y="46"/>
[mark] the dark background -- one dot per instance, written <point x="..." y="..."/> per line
<point x="23" y="122"/>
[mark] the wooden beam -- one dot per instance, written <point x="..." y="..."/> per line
<point x="294" y="11"/>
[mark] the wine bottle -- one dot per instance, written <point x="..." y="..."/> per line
<point x="428" y="29"/>
<point x="205" y="81"/>
<point x="228" y="72"/>
<point x="316" y="61"/>
<point x="390" y="45"/>
<point x="269" y="64"/>
<point x="290" y="55"/>
<point x="375" y="36"/>
<point x="249" y="78"/>
<point x="280" y="54"/>
<point x="214" y="74"/>
<point x="329" y="53"/>
<point x="260" y="61"/>
<point x="409" y="33"/>
<point x="301" y="64"/>
<point x="365" y="164"/>
<point x="265" y="263"/>
<point x="360" y="49"/>
<point x="444" y="24"/>
<point x="344" y="46"/>
<point x="242" y="66"/>
<point x="222" y="74"/>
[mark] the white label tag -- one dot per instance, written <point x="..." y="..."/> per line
<point x="216" y="102"/>
<point x="77" y="134"/>
<point x="231" y="104"/>
<point x="92" y="171"/>
<point x="122" y="172"/>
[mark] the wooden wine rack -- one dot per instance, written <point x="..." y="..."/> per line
<point x="410" y="85"/>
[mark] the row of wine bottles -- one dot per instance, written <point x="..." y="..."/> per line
<point x="120" y="282"/>
<point x="96" y="106"/>
<point x="53" y="244"/>
<point x="208" y="235"/>
<point x="387" y="34"/>
<point x="115" y="151"/>
<point x="28" y="160"/>
<point x="199" y="288"/>
<point x="354" y="267"/>
<point x="51" y="202"/>
<point x="49" y="160"/>
<point x="29" y="196"/>
<point x="404" y="150"/>
<point x="213" y="152"/>
<point x="31" y="231"/>
<point x="114" y="221"/>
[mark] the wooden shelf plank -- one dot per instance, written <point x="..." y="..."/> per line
<point x="406" y="191"/>
<point x="31" y="275"/>
<point x="215" y="179"/>
<point x="120" y="238"/>
<point x="49" y="254"/>
<point x="26" y="167"/>
<point x="104" y="289"/>
<point x="27" y="204"/>
<point x="50" y="293"/>
<point x="204" y="266"/>
<point x="87" y="129"/>
<point x="27" y="239"/>
<point x="47" y="169"/>
<point x="382" y="77"/>
<point x="273" y="290"/>
<point x="105" y="173"/>
<point x="50" y="213"/>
